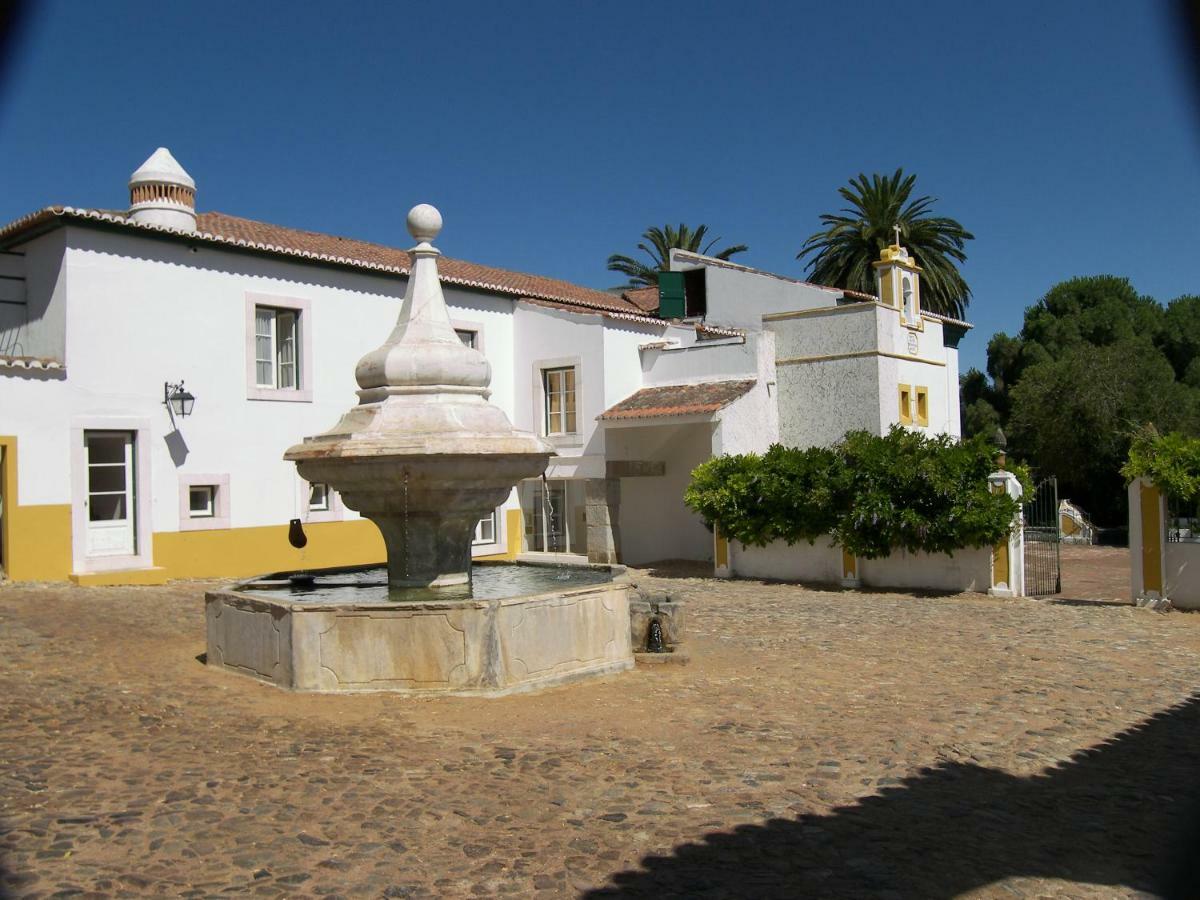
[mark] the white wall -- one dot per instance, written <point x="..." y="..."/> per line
<point x="655" y="523"/>
<point x="740" y="297"/>
<point x="821" y="563"/>
<point x="1182" y="581"/>
<point x="38" y="327"/>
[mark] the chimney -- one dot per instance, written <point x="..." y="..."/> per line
<point x="162" y="193"/>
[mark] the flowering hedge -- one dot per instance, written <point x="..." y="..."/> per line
<point x="872" y="495"/>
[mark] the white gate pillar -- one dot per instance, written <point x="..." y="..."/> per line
<point x="1008" y="556"/>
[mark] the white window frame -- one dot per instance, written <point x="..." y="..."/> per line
<point x="334" y="511"/>
<point x="220" y="517"/>
<point x="143" y="556"/>
<point x="301" y="309"/>
<point x="541" y="401"/>
<point x="494" y="518"/>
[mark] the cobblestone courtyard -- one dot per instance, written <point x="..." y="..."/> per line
<point x="820" y="744"/>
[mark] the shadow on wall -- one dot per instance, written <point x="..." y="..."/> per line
<point x="1122" y="813"/>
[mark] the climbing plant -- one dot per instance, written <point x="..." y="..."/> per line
<point x="873" y="495"/>
<point x="1171" y="461"/>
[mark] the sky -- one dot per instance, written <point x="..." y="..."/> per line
<point x="1064" y="135"/>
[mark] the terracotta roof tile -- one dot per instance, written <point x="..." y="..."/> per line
<point x="263" y="236"/>
<point x="645" y="299"/>
<point x="678" y="400"/>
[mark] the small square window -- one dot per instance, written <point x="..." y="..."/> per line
<point x="202" y="501"/>
<point x="318" y="497"/>
<point x="468" y="336"/>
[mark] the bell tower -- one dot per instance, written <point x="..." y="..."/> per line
<point x="898" y="281"/>
<point x="162" y="193"/>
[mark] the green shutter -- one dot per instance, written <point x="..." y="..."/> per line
<point x="670" y="295"/>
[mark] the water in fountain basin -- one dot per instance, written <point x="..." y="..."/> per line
<point x="489" y="582"/>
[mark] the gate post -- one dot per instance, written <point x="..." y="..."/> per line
<point x="1147" y="540"/>
<point x="1008" y="557"/>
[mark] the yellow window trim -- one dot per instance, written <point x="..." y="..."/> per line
<point x="905" y="399"/>
<point x="922" y="406"/>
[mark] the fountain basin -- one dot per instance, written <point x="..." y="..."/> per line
<point x="468" y="647"/>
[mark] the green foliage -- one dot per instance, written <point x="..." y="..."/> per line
<point x="1093" y="361"/>
<point x="1171" y="461"/>
<point x="873" y="495"/>
<point x="853" y="239"/>
<point x="1072" y="417"/>
<point x="659" y="242"/>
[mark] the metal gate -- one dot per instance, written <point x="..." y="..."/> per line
<point x="1043" y="562"/>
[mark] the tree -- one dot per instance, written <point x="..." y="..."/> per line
<point x="658" y="244"/>
<point x="1180" y="339"/>
<point x="1073" y="415"/>
<point x="852" y="240"/>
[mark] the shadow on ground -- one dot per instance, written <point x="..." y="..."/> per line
<point x="1121" y="813"/>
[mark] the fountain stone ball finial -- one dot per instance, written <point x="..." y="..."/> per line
<point x="424" y="222"/>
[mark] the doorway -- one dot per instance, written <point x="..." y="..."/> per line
<point x="111" y="503"/>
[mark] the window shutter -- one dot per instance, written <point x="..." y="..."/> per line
<point x="670" y="295"/>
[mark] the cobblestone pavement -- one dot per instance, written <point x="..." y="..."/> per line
<point x="819" y="744"/>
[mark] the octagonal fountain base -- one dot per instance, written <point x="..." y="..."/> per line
<point x="470" y="647"/>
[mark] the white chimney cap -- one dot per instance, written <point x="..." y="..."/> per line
<point x="161" y="168"/>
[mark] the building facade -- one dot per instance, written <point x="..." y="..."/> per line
<point x="109" y="321"/>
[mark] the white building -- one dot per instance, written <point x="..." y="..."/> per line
<point x="102" y="314"/>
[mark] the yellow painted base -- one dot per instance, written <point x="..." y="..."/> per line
<point x="36" y="539"/>
<point x="1152" y="575"/>
<point x="241" y="552"/>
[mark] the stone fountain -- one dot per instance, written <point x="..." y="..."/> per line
<point x="424" y="456"/>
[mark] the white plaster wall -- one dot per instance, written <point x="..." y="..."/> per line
<point x="821" y="563"/>
<point x="145" y="311"/>
<point x="1182" y="582"/>
<point x="841" y="329"/>
<point x="725" y="360"/>
<point x="738" y="298"/>
<point x="38" y="327"/>
<point x="820" y="402"/>
<point x="816" y="563"/>
<point x="655" y="523"/>
<point x="751" y="423"/>
<point x="953" y="407"/>
<point x="967" y="570"/>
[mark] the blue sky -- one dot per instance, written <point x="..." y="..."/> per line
<point x="1063" y="134"/>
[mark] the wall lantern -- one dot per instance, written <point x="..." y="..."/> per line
<point x="179" y="401"/>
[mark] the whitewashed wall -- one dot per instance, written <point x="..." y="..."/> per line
<point x="821" y="563"/>
<point x="655" y="524"/>
<point x="1182" y="581"/>
<point x="36" y="328"/>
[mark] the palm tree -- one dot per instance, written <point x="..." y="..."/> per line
<point x="661" y="241"/>
<point x="853" y="239"/>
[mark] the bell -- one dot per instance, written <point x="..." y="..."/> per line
<point x="296" y="535"/>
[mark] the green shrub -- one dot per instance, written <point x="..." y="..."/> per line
<point x="871" y="494"/>
<point x="1171" y="461"/>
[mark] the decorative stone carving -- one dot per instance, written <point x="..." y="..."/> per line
<point x="423" y="455"/>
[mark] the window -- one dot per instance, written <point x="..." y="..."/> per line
<point x="485" y="531"/>
<point x="276" y="348"/>
<point x="922" y="406"/>
<point x="468" y="336"/>
<point x="905" y="404"/>
<point x="202" y="501"/>
<point x="279" y="350"/>
<point x="910" y="310"/>
<point x="559" y="388"/>
<point x="318" y="497"/>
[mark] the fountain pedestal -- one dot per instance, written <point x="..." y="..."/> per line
<point x="425" y="457"/>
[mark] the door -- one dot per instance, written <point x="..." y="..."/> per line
<point x="549" y="521"/>
<point x="110" y="504"/>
